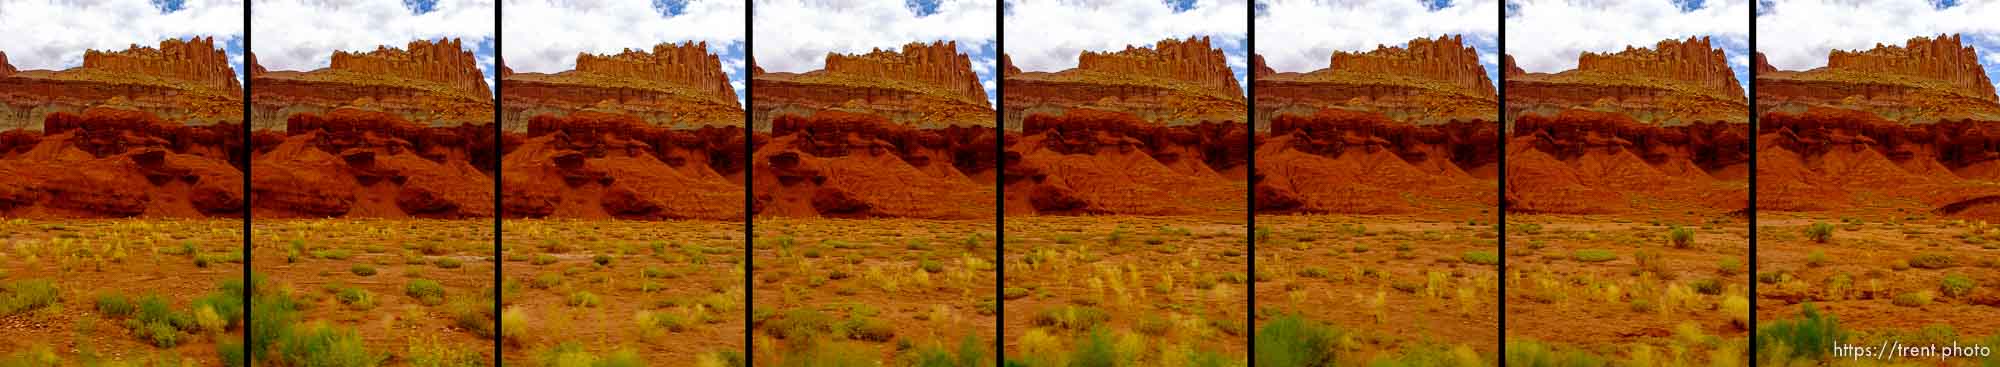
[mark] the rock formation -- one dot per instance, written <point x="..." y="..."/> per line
<point x="1942" y="59"/>
<point x="924" y="85"/>
<point x="1083" y="162"/>
<point x="1759" y="65"/>
<point x="358" y="163"/>
<point x="445" y="62"/>
<point x="604" y="165"/>
<point x="688" y="65"/>
<point x="673" y="85"/>
<point x="6" y="68"/>
<point x="1258" y="69"/>
<point x="116" y="163"/>
<point x="1191" y="61"/>
<point x="852" y="165"/>
<point x="1691" y="62"/>
<point x="1445" y="59"/>
<point x="1007" y="68"/>
<point x="936" y="65"/>
<point x="195" y="60"/>
<point x="1509" y="69"/>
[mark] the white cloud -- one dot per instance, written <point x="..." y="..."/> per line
<point x="1992" y="58"/>
<point x="1739" y="60"/>
<point x="1547" y="35"/>
<point x="544" y="36"/>
<point x="796" y="35"/>
<point x="988" y="84"/>
<point x="302" y="34"/>
<point x="982" y="66"/>
<point x="1796" y="34"/>
<point x="736" y="84"/>
<point x="1301" y="35"/>
<point x="1047" y="35"/>
<point x="52" y="35"/>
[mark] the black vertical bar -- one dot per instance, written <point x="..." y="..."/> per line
<point x="1752" y="205"/>
<point x="749" y="151"/>
<point x="248" y="287"/>
<point x="1250" y="191"/>
<point x="1000" y="187"/>
<point x="499" y="149"/>
<point x="1501" y="226"/>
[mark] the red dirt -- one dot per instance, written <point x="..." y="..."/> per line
<point x="1585" y="162"/>
<point x="358" y="163"/>
<point x="111" y="163"/>
<point x="1098" y="162"/>
<point x="603" y="165"/>
<point x="851" y="165"/>
<point x="1336" y="161"/>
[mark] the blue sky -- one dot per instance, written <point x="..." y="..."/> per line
<point x="50" y="35"/>
<point x="1301" y="35"/>
<point x="1798" y="34"/>
<point x="301" y="35"/>
<point x="544" y="36"/>
<point x="1048" y="35"/>
<point x="1547" y="35"/>
<point x="796" y="35"/>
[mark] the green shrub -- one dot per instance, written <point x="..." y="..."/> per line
<point x="1593" y="255"/>
<point x="1293" y="341"/>
<point x="1077" y="318"/>
<point x="1958" y="285"/>
<point x="426" y="291"/>
<point x="28" y="295"/>
<point x="1729" y="267"/>
<point x="867" y="329"/>
<point x="1809" y="337"/>
<point x="1913" y="299"/>
<point x="114" y="305"/>
<point x="448" y="263"/>
<point x="584" y="299"/>
<point x="831" y="354"/>
<point x="1933" y="261"/>
<point x="1480" y="257"/>
<point x="363" y="270"/>
<point x="431" y="353"/>
<point x="799" y="324"/>
<point x="1681" y="237"/>
<point x="359" y="299"/>
<point x="1816" y="259"/>
<point x="1533" y="354"/>
<point x="1820" y="232"/>
<point x="475" y="316"/>
<point x="320" y="345"/>
<point x="1012" y="293"/>
<point x="971" y="352"/>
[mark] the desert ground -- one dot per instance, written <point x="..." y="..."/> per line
<point x="1404" y="289"/>
<point x="1916" y="279"/>
<point x="897" y="292"/>
<point x="639" y="292"/>
<point x="1126" y="290"/>
<point x="373" y="292"/>
<point x="1635" y="291"/>
<point x="121" y="292"/>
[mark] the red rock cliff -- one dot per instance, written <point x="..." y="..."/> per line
<point x="1007" y="68"/>
<point x="1760" y="65"/>
<point x="195" y="60"/>
<point x="936" y="64"/>
<point x="5" y="68"/>
<point x="1192" y="60"/>
<point x="444" y="62"/>
<point x="1445" y="59"/>
<point x="250" y="62"/>
<point x="1508" y="68"/>
<point x="1942" y="58"/>
<point x="1691" y="60"/>
<point x="1258" y="68"/>
<point x="687" y="64"/>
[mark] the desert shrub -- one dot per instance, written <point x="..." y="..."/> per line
<point x="1958" y="285"/>
<point x="1681" y="237"/>
<point x="1072" y="317"/>
<point x="1816" y="259"/>
<point x="155" y="321"/>
<point x="1534" y="354"/>
<point x="333" y="254"/>
<point x="971" y="352"/>
<point x="36" y="355"/>
<point x="275" y="314"/>
<point x="1480" y="257"/>
<point x="1012" y="293"/>
<point x="114" y="305"/>
<point x="1709" y="286"/>
<point x="1293" y="341"/>
<point x="831" y="354"/>
<point x="1097" y="349"/>
<point x="1820" y="232"/>
<point x="546" y="280"/>
<point x="513" y="325"/>
<point x="426" y="291"/>
<point x="28" y="295"/>
<point x="654" y="272"/>
<point x="1933" y="261"/>
<point x="866" y="329"/>
<point x="431" y="353"/>
<point x="448" y="263"/>
<point x="584" y="299"/>
<point x="727" y="358"/>
<point x="1913" y="299"/>
<point x="1738" y="310"/>
<point x="799" y="324"/>
<point x="543" y="259"/>
<point x="207" y="320"/>
<point x="1593" y="255"/>
<point x="475" y="316"/>
<point x="1809" y="337"/>
<point x="320" y="345"/>
<point x="363" y="270"/>
<point x="601" y="259"/>
<point x="1729" y="267"/>
<point x="931" y="266"/>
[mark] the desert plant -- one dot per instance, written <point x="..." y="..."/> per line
<point x="1738" y="310"/>
<point x="1914" y="299"/>
<point x="1534" y="354"/>
<point x="1816" y="259"/>
<point x="1820" y="232"/>
<point x="1480" y="257"/>
<point x="426" y="291"/>
<point x="1072" y="317"/>
<point x="28" y="295"/>
<point x="513" y="325"/>
<point x="1593" y="255"/>
<point x="115" y="305"/>
<point x="448" y="263"/>
<point x="1932" y="261"/>
<point x="1809" y="337"/>
<point x="1681" y="237"/>
<point x="1290" y="340"/>
<point x="1958" y="285"/>
<point x="320" y="345"/>
<point x="584" y="299"/>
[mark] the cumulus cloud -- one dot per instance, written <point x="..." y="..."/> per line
<point x="1547" y="35"/>
<point x="796" y="35"/>
<point x="52" y="35"/>
<point x="1797" y="34"/>
<point x="544" y="36"/>
<point x="1299" y="35"/>
<point x="1047" y="35"/>
<point x="302" y="34"/>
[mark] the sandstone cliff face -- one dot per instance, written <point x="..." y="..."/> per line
<point x="938" y="65"/>
<point x="688" y="64"/>
<point x="1691" y="61"/>
<point x="1508" y="69"/>
<point x="114" y="163"/>
<point x="444" y="62"/>
<point x="605" y="165"/>
<point x="1193" y="61"/>
<point x="1445" y="59"/>
<point x="250" y="61"/>
<point x="1258" y="69"/>
<point x="6" y="68"/>
<point x="1007" y="68"/>
<point x="1942" y="59"/>
<point x="1084" y="162"/>
<point x="369" y="164"/>
<point x="924" y="85"/>
<point x="850" y="165"/>
<point x="1759" y="65"/>
<point x="1585" y="162"/>
<point x="196" y="60"/>
<point x="1337" y="161"/>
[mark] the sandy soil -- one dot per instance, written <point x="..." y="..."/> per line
<point x="930" y="282"/>
<point x="684" y="276"/>
<point x="1621" y="288"/>
<point x="1176" y="284"/>
<point x="85" y="258"/>
<point x="1331" y="268"/>
<point x="309" y="257"/>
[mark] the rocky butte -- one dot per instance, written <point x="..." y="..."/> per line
<point x="673" y="85"/>
<point x="1141" y="131"/>
<point x="434" y="83"/>
<point x="1914" y="122"/>
<point x="1175" y="82"/>
<point x="923" y="85"/>
<point x="889" y="133"/>
<point x="1659" y="131"/>
<point x="143" y="132"/>
<point x="181" y="81"/>
<point x="1374" y="127"/>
